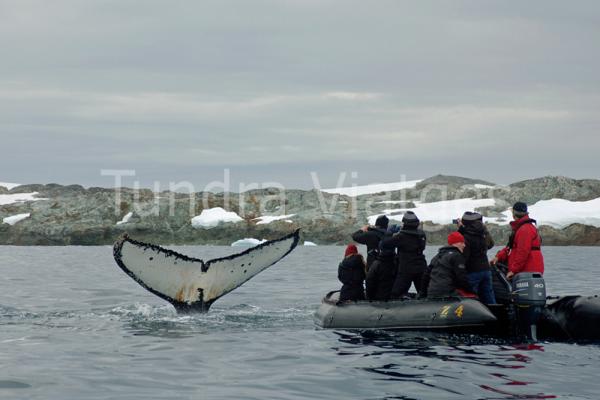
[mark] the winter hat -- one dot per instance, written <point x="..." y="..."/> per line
<point x="520" y="207"/>
<point x="350" y="249"/>
<point x="410" y="218"/>
<point x="470" y="217"/>
<point x="382" y="221"/>
<point x="455" y="237"/>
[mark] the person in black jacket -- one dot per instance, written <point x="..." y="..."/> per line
<point x="409" y="243"/>
<point x="371" y="236"/>
<point x="478" y="241"/>
<point x="447" y="273"/>
<point x="351" y="272"/>
<point x="381" y="275"/>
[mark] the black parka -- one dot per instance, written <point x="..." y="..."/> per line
<point x="351" y="272"/>
<point x="409" y="244"/>
<point x="478" y="241"/>
<point x="446" y="273"/>
<point x="381" y="275"/>
<point x="371" y="239"/>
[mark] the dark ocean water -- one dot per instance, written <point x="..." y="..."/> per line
<point x="74" y="326"/>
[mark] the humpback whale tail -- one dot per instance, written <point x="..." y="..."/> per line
<point x="191" y="284"/>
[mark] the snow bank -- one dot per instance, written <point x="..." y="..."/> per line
<point x="247" y="242"/>
<point x="370" y="189"/>
<point x="559" y="213"/>
<point x="125" y="219"/>
<point x="307" y="243"/>
<point x="209" y="218"/>
<point x="267" y="219"/>
<point x="439" y="212"/>
<point x="13" y="219"/>
<point x="18" y="198"/>
<point x="9" y="185"/>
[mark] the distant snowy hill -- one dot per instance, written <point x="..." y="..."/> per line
<point x="567" y="211"/>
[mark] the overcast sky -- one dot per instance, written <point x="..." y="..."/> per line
<point x="272" y="90"/>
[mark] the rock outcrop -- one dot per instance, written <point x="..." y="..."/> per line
<point x="74" y="215"/>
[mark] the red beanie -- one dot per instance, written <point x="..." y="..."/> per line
<point x="455" y="237"/>
<point x="351" y="249"/>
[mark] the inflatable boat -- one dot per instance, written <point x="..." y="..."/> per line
<point x="527" y="312"/>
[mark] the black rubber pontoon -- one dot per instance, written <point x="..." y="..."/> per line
<point x="575" y="318"/>
<point x="431" y="314"/>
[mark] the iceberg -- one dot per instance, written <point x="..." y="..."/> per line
<point x="209" y="218"/>
<point x="247" y="242"/>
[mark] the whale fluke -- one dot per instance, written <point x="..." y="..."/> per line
<point x="191" y="284"/>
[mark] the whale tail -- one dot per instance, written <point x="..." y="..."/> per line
<point x="191" y="284"/>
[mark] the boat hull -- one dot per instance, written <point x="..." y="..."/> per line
<point x="574" y="318"/>
<point x="442" y="314"/>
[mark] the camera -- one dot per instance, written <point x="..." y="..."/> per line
<point x="455" y="221"/>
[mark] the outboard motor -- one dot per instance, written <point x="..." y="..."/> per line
<point x="529" y="296"/>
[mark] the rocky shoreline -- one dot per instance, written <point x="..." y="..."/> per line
<point x="73" y="215"/>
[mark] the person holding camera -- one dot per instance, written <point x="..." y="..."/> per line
<point x="410" y="244"/>
<point x="371" y="237"/>
<point x="478" y="241"/>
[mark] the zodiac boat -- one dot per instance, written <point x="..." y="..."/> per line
<point x="529" y="312"/>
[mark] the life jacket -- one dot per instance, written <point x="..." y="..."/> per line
<point x="511" y="238"/>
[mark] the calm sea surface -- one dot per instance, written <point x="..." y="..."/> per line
<point x="74" y="326"/>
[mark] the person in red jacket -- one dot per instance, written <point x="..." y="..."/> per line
<point x="523" y="252"/>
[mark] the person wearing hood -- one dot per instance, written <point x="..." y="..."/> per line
<point x="523" y="252"/>
<point x="446" y="275"/>
<point x="478" y="241"/>
<point x="409" y="243"/>
<point x="381" y="275"/>
<point x="351" y="272"/>
<point x="371" y="236"/>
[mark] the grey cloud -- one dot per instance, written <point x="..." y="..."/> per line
<point x="280" y="88"/>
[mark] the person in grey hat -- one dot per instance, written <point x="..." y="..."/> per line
<point x="478" y="241"/>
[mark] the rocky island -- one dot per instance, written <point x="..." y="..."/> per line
<point x="567" y="210"/>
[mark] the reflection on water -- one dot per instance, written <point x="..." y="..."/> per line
<point x="434" y="360"/>
<point x="73" y="326"/>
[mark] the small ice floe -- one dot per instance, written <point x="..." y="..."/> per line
<point x="211" y="217"/>
<point x="125" y="219"/>
<point x="267" y="219"/>
<point x="13" y="219"/>
<point x="307" y="243"/>
<point x="247" y="242"/>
